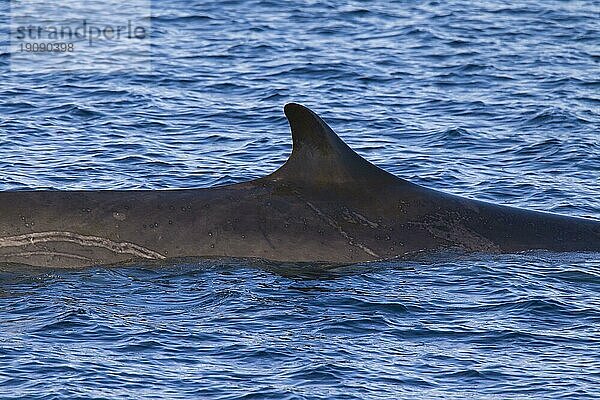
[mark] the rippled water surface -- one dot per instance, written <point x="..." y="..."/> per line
<point x="487" y="100"/>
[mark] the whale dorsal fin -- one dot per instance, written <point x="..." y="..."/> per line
<point x="319" y="157"/>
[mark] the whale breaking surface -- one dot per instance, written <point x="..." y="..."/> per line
<point x="325" y="204"/>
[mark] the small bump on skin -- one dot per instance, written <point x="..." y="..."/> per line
<point x="119" y="216"/>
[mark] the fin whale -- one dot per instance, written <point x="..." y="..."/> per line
<point x="325" y="204"/>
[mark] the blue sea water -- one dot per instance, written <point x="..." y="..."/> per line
<point x="489" y="100"/>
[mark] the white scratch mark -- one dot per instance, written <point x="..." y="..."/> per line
<point x="82" y="240"/>
<point x="337" y="227"/>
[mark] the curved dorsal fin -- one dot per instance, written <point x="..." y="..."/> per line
<point x="320" y="157"/>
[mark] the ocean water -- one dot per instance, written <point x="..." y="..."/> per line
<point x="488" y="100"/>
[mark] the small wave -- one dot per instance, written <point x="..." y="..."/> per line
<point x="546" y="148"/>
<point x="554" y="116"/>
<point x="454" y="133"/>
<point x="77" y="110"/>
<point x="173" y="19"/>
<point x="578" y="276"/>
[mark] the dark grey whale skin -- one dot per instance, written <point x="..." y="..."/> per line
<point x="325" y="204"/>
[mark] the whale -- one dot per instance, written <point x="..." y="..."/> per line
<point x="325" y="204"/>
